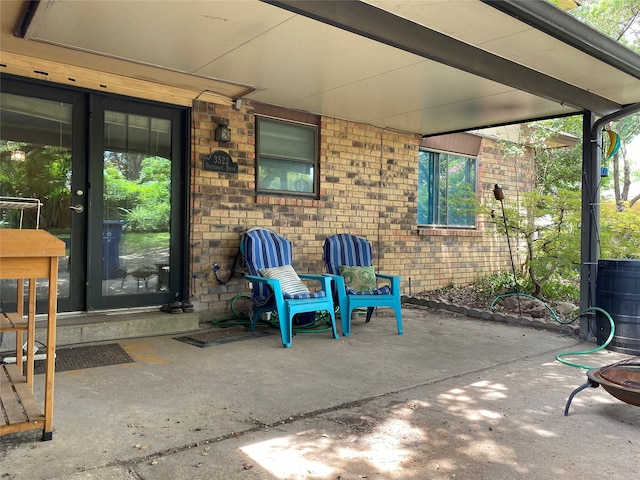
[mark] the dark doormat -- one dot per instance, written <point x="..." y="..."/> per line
<point x="76" y="358"/>
<point x="220" y="336"/>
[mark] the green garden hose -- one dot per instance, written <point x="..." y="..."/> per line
<point x="560" y="356"/>
<point x="553" y="314"/>
<point x="239" y="318"/>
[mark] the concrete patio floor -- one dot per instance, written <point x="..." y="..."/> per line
<point x="452" y="398"/>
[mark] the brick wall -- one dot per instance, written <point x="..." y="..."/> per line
<point x="368" y="186"/>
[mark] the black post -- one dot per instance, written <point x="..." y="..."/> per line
<point x="499" y="195"/>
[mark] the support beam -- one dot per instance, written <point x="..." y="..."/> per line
<point x="590" y="220"/>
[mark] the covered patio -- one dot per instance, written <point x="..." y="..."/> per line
<point x="431" y="66"/>
<point x="452" y="398"/>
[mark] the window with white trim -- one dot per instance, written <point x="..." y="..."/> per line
<point x="287" y="157"/>
<point x="447" y="186"/>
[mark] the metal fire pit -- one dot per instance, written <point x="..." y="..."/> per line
<point x="621" y="380"/>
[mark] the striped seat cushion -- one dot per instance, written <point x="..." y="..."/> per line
<point x="342" y="250"/>
<point x="385" y="290"/>
<point x="300" y="296"/>
<point x="346" y="249"/>
<point x="263" y="248"/>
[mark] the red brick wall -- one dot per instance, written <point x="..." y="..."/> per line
<point x="368" y="186"/>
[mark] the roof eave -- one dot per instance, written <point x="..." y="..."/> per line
<point x="544" y="16"/>
<point x="385" y="27"/>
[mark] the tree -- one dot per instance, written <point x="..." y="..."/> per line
<point x="144" y="203"/>
<point x="620" y="20"/>
<point x="546" y="221"/>
<point x="44" y="174"/>
<point x="153" y="212"/>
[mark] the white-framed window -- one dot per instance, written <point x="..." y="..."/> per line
<point x="447" y="186"/>
<point x="287" y="159"/>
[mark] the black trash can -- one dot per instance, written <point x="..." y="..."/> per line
<point x="618" y="293"/>
<point x="111" y="236"/>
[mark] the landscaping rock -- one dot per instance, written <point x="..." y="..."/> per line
<point x="529" y="312"/>
<point x="565" y="308"/>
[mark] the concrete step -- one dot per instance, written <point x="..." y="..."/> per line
<point x="115" y="325"/>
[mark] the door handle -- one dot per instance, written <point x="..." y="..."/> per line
<point x="77" y="208"/>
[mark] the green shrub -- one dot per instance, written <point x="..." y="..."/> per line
<point x="556" y="289"/>
<point x="497" y="284"/>
<point x="561" y="290"/>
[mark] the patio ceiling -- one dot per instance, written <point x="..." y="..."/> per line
<point x="423" y="66"/>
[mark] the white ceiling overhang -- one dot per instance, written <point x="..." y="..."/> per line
<point x="422" y="66"/>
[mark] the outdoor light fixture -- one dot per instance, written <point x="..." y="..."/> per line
<point x="223" y="134"/>
<point x="18" y="156"/>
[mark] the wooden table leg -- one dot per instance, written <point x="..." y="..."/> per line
<point x="31" y="330"/>
<point x="20" y="312"/>
<point x="47" y="433"/>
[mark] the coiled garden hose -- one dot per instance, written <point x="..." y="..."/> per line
<point x="560" y="356"/>
<point x="240" y="318"/>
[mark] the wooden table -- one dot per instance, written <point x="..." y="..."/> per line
<point x="28" y="254"/>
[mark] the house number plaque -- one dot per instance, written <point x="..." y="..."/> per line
<point x="219" y="161"/>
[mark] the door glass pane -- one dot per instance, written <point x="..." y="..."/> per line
<point x="35" y="163"/>
<point x="136" y="204"/>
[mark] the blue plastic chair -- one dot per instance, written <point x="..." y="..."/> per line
<point x="350" y="250"/>
<point x="264" y="249"/>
